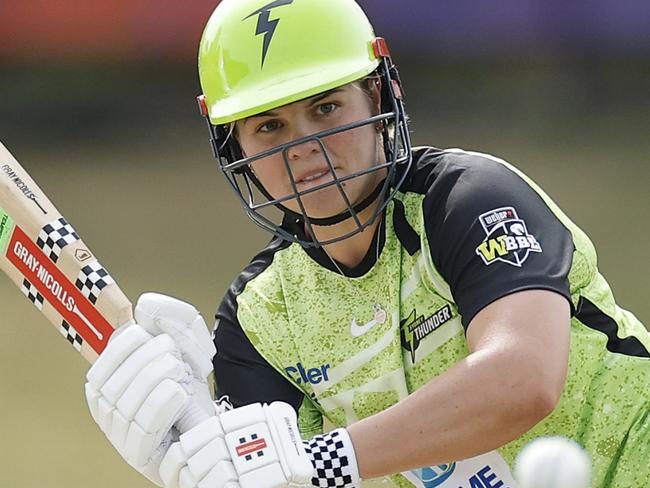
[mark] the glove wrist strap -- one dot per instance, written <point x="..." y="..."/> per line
<point x="334" y="460"/>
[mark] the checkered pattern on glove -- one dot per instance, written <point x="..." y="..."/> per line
<point x="334" y="461"/>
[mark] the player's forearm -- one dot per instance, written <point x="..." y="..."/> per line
<point x="459" y="414"/>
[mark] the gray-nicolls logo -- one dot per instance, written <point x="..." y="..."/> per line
<point x="22" y="186"/>
<point x="265" y="25"/>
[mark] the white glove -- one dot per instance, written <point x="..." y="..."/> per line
<point x="249" y="447"/>
<point x="158" y="314"/>
<point x="141" y="385"/>
<point x="259" y="447"/>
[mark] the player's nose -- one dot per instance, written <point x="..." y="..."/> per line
<point x="307" y="149"/>
<point x="304" y="151"/>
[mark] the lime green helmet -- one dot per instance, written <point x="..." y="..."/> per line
<point x="257" y="55"/>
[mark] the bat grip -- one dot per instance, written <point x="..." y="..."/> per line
<point x="193" y="415"/>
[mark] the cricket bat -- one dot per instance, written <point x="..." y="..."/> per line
<point x="44" y="256"/>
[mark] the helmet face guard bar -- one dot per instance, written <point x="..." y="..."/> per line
<point x="298" y="226"/>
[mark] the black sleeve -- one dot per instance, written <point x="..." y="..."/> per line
<point x="240" y="371"/>
<point x="491" y="234"/>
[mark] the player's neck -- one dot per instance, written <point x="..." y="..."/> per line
<point x="351" y="251"/>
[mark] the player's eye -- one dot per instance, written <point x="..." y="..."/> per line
<point x="269" y="126"/>
<point x="327" y="108"/>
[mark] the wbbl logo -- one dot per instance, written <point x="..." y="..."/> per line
<point x="507" y="238"/>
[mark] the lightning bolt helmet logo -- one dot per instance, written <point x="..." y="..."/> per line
<point x="265" y="25"/>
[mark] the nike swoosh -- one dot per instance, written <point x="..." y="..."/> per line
<point x="359" y="330"/>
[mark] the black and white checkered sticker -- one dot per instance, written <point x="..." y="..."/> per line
<point x="328" y="455"/>
<point x="32" y="293"/>
<point x="55" y="236"/>
<point x="71" y="335"/>
<point x="92" y="279"/>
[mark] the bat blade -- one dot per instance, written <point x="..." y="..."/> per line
<point x="44" y="256"/>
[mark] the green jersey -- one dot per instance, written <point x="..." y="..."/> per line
<point x="465" y="230"/>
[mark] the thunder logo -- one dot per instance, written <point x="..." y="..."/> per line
<point x="414" y="328"/>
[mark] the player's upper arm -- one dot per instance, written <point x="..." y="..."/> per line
<point x="531" y="328"/>
<point x="491" y="235"/>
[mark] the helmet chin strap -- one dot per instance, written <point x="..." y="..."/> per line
<point x="292" y="216"/>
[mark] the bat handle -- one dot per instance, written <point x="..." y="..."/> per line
<point x="193" y="415"/>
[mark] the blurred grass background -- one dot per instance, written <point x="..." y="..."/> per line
<point x="119" y="147"/>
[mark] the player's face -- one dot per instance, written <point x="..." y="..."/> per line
<point x="350" y="151"/>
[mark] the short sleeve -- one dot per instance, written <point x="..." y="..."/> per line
<point x="491" y="234"/>
<point x="240" y="371"/>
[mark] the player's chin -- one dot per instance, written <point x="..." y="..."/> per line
<point x="319" y="205"/>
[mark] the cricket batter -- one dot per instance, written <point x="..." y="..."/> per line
<point x="435" y="306"/>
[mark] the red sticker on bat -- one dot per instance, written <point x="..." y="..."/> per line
<point x="57" y="289"/>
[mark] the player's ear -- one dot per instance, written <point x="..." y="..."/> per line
<point x="374" y="93"/>
<point x="375" y="89"/>
<point x="371" y="88"/>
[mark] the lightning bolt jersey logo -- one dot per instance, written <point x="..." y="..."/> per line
<point x="414" y="328"/>
<point x="267" y="26"/>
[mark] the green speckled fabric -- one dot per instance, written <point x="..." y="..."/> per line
<point x="298" y="312"/>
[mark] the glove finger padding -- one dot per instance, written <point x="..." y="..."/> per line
<point x="158" y="314"/>
<point x="200" y="455"/>
<point x="163" y="367"/>
<point x="136" y="391"/>
<point x="119" y="348"/>
<point x="161" y="314"/>
<point x="125" y="373"/>
<point x="153" y="421"/>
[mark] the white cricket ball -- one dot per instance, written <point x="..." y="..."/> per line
<point x="553" y="462"/>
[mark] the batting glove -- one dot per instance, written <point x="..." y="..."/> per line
<point x="258" y="447"/>
<point x="161" y="314"/>
<point x="145" y="382"/>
